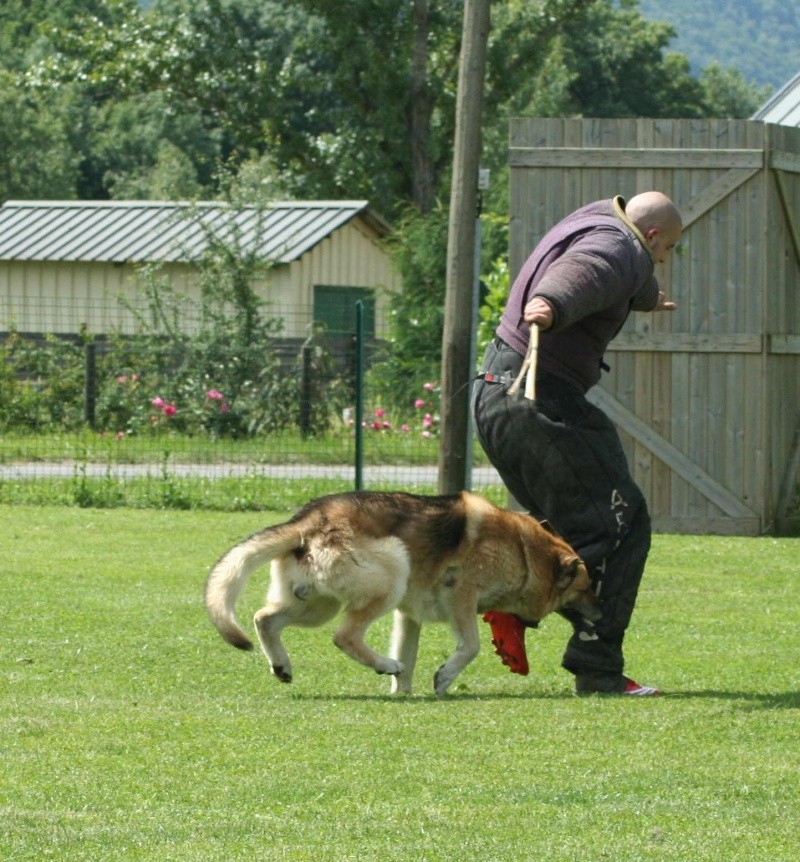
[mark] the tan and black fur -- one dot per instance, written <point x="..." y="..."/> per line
<point x="430" y="559"/>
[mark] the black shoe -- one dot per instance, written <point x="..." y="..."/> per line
<point x="610" y="683"/>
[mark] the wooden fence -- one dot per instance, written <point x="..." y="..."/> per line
<point x="707" y="398"/>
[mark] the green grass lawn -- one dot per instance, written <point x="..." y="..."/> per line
<point x="130" y="731"/>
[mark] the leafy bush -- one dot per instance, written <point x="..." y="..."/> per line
<point x="41" y="383"/>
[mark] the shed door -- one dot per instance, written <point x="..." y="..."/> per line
<point x="336" y="308"/>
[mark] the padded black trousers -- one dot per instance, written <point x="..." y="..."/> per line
<point x="562" y="459"/>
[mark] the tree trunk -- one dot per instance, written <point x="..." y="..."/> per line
<point x="456" y="370"/>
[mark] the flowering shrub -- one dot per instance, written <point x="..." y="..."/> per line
<point x="425" y="421"/>
<point x="145" y="385"/>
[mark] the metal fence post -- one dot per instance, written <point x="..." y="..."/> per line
<point x="305" y="392"/>
<point x="359" y="423"/>
<point x="90" y="384"/>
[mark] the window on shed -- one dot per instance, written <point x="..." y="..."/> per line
<point x="336" y="308"/>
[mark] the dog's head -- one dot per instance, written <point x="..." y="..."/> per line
<point x="573" y="587"/>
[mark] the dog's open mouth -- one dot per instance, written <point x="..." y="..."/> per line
<point x="587" y="608"/>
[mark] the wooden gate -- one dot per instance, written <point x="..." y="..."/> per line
<point x="707" y="398"/>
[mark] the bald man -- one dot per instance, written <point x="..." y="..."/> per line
<point x="559" y="455"/>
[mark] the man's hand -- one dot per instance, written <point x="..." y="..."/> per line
<point x="662" y="304"/>
<point x="538" y="311"/>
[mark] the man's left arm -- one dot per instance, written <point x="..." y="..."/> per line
<point x="663" y="304"/>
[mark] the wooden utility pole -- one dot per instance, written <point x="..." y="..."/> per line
<point x="456" y="370"/>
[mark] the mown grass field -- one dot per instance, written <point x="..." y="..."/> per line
<point x="130" y="731"/>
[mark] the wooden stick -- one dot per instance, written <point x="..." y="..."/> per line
<point x="533" y="354"/>
<point x="528" y="370"/>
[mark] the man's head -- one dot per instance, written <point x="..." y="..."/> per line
<point x="658" y="220"/>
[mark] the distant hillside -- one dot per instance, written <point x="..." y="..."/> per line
<point x="760" y="38"/>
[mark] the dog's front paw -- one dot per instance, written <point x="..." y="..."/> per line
<point x="401" y="684"/>
<point x="441" y="682"/>
<point x="283" y="674"/>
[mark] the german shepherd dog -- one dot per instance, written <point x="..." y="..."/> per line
<point x="430" y="559"/>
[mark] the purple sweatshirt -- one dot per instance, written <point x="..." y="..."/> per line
<point x="594" y="269"/>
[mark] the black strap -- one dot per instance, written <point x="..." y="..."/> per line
<point x="490" y="377"/>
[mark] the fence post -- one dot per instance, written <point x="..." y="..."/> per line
<point x="359" y="423"/>
<point x="305" y="391"/>
<point x="90" y="384"/>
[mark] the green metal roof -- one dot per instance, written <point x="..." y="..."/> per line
<point x="159" y="232"/>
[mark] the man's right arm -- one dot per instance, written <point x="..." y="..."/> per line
<point x="539" y="312"/>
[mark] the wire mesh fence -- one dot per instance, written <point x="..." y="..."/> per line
<point x="216" y="412"/>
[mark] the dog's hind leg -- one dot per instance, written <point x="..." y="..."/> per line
<point x="370" y="583"/>
<point x="274" y="617"/>
<point x="465" y="628"/>
<point x="349" y="637"/>
<point x="405" y="644"/>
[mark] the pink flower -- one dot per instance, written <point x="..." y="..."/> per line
<point x="426" y="434"/>
<point x="136" y="377"/>
<point x="215" y="395"/>
<point x="169" y="410"/>
<point x="224" y="407"/>
<point x="122" y="379"/>
<point x="158" y="403"/>
<point x="377" y="426"/>
<point x="387" y="426"/>
<point x="405" y="428"/>
<point x="379" y="413"/>
<point x="428" y="387"/>
<point x="420" y="402"/>
<point x="120" y="435"/>
<point x="427" y="420"/>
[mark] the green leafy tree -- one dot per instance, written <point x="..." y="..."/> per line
<point x="417" y="314"/>
<point x="24" y="25"/>
<point x="143" y="147"/>
<point x="36" y="156"/>
<point x="727" y="94"/>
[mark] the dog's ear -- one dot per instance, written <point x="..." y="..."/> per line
<point x="566" y="570"/>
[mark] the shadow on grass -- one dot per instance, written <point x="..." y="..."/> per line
<point x="752" y="700"/>
<point x="422" y="696"/>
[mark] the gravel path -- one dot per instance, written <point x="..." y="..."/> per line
<point x="373" y="475"/>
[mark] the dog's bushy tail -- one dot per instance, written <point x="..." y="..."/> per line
<point x="230" y="575"/>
